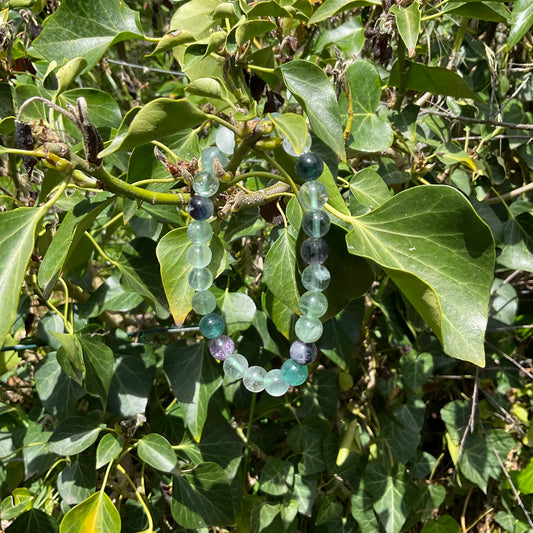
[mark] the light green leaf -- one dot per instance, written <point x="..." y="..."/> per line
<point x="332" y="7"/>
<point x="447" y="276"/>
<point x="369" y="189"/>
<point x="371" y="133"/>
<point x="238" y="310"/>
<point x="98" y="359"/>
<point x="349" y="37"/>
<point x="70" y="355"/>
<point x="521" y="21"/>
<point x="158" y="118"/>
<point x="444" y="524"/>
<point x="16" y="245"/>
<point x="77" y="481"/>
<point x="86" y="29"/>
<point x="74" y="435"/>
<point x="314" y="91"/>
<point x="279" y="270"/>
<point x="32" y="521"/>
<point x="193" y="378"/>
<point x="157" y="452"/>
<point x="202" y="498"/>
<point x="451" y="154"/>
<point x="19" y="501"/>
<point x="68" y="72"/>
<point x="517" y="250"/>
<point x="172" y="39"/>
<point x="108" y="449"/>
<point x="524" y="479"/>
<point x="96" y="514"/>
<point x="104" y="110"/>
<point x="294" y="128"/>
<point x="408" y="24"/>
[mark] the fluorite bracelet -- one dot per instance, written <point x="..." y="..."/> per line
<point x="315" y="278"/>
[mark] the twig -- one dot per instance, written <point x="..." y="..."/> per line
<point x="510" y="359"/>
<point x="451" y="116"/>
<point x="510" y="195"/>
<point x="471" y="419"/>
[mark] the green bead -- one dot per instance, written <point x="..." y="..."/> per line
<point x="315" y="223"/>
<point x="204" y="302"/>
<point x="209" y="154"/>
<point x="313" y="304"/>
<point x="313" y="195"/>
<point x="199" y="231"/>
<point x="316" y="278"/>
<point x="199" y="255"/>
<point x="235" y="366"/>
<point x="200" y="279"/>
<point x="309" y="166"/>
<point x="254" y="378"/>
<point x="308" y="329"/>
<point x="293" y="373"/>
<point x="205" y="184"/>
<point x="275" y="385"/>
<point x="212" y="325"/>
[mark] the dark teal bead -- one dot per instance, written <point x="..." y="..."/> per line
<point x="293" y="373"/>
<point x="314" y="251"/>
<point x="212" y="326"/>
<point x="201" y="208"/>
<point x="315" y="223"/>
<point x="309" y="166"/>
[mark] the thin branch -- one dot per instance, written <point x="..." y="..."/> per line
<point x="451" y="116"/>
<point x="510" y="359"/>
<point x="510" y="195"/>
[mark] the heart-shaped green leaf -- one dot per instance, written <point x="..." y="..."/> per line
<point x="157" y="452"/>
<point x="96" y="513"/>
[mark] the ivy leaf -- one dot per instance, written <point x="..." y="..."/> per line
<point x="86" y="29"/>
<point x="517" y="250"/>
<point x="332" y="7"/>
<point x="96" y="513"/>
<point x="202" y="498"/>
<point x="293" y="127"/>
<point x="98" y="359"/>
<point x="408" y="24"/>
<point x="32" y="521"/>
<point x="314" y="91"/>
<point x="74" y="435"/>
<point x="16" y="245"/>
<point x="371" y="132"/>
<point x="521" y="21"/>
<point x="193" y="378"/>
<point x="77" y="481"/>
<point x="157" y="452"/>
<point x="238" y="310"/>
<point x="446" y="275"/>
<point x="108" y="449"/>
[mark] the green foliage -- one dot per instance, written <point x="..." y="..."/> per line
<point x="417" y="413"/>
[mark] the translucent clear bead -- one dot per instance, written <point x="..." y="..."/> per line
<point x="254" y="378"/>
<point x="313" y="195"/>
<point x="199" y="255"/>
<point x="235" y="366"/>
<point x="222" y="347"/>
<point x="201" y="208"/>
<point x="314" y="251"/>
<point x="309" y="166"/>
<point x="316" y="278"/>
<point x="308" y="329"/>
<point x="212" y="325"/>
<point x="313" y="304"/>
<point x="205" y="184"/>
<point x="275" y="385"/>
<point x="199" y="232"/>
<point x="303" y="353"/>
<point x="209" y="154"/>
<point x="225" y="140"/>
<point x="315" y="223"/>
<point x="200" y="279"/>
<point x="204" y="302"/>
<point x="293" y="373"/>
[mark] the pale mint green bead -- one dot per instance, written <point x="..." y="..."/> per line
<point x="308" y="329"/>
<point x="275" y="385"/>
<point x="254" y="378"/>
<point x="200" y="279"/>
<point x="199" y="255"/>
<point x="208" y="156"/>
<point x="293" y="373"/>
<point x="316" y="278"/>
<point x="315" y="223"/>
<point x="205" y="183"/>
<point x="235" y="366"/>
<point x="199" y="231"/>
<point x="313" y="304"/>
<point x="313" y="195"/>
<point x="204" y="302"/>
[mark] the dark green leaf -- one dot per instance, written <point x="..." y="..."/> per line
<point x="74" y="434"/>
<point x="307" y="440"/>
<point x="521" y="21"/>
<point x="277" y="477"/>
<point x="517" y="250"/>
<point x="98" y="358"/>
<point x="32" y="521"/>
<point x="77" y="481"/>
<point x="104" y="110"/>
<point x="444" y="524"/>
<point x="332" y="7"/>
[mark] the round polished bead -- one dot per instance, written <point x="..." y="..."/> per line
<point x="254" y="378"/>
<point x="275" y="385"/>
<point x="293" y="373"/>
<point x="313" y="304"/>
<point x="212" y="325"/>
<point x="199" y="255"/>
<point x="303" y="353"/>
<point x="313" y="195"/>
<point x="308" y="329"/>
<point x="221" y="347"/>
<point x="208" y="156"/>
<point x="204" y="302"/>
<point x="199" y="232"/>
<point x="205" y="184"/>
<point x="235" y="366"/>
<point x="225" y="140"/>
<point x="200" y="279"/>
<point x="315" y="223"/>
<point x="201" y="208"/>
<point x="309" y="166"/>
<point x="314" y="251"/>
<point x="316" y="278"/>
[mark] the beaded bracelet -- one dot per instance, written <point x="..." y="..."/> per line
<point x="315" y="278"/>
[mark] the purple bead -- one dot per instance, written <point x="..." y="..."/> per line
<point x="221" y="347"/>
<point x="303" y="353"/>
